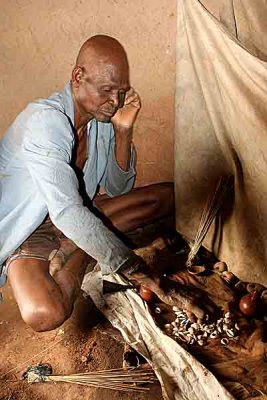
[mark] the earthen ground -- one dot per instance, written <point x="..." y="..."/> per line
<point x="84" y="343"/>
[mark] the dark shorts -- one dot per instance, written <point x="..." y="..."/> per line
<point x="46" y="243"/>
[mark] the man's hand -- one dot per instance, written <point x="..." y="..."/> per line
<point x="126" y="115"/>
<point x="123" y="122"/>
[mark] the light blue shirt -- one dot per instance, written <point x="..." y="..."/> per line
<point x="36" y="178"/>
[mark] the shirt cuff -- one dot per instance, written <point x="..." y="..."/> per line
<point x="129" y="264"/>
<point x="117" y="171"/>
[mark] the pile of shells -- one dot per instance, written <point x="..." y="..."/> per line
<point x="184" y="330"/>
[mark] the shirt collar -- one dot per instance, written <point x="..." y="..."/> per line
<point x="68" y="102"/>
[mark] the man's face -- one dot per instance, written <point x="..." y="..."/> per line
<point x="101" y="90"/>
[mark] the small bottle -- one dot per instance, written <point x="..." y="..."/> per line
<point x="146" y="293"/>
<point x="249" y="304"/>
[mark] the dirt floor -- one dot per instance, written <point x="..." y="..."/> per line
<point x="84" y="343"/>
<point x="87" y="342"/>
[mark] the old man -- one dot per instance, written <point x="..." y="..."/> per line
<point x="53" y="159"/>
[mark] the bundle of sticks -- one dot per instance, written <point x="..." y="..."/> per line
<point x="210" y="211"/>
<point x="131" y="379"/>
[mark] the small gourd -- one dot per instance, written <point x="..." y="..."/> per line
<point x="249" y="304"/>
<point x="146" y="293"/>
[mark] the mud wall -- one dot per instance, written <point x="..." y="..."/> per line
<point x="39" y="44"/>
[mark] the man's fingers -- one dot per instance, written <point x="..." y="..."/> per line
<point x="133" y="98"/>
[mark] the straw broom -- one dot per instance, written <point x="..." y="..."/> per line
<point x="211" y="209"/>
<point x="115" y="379"/>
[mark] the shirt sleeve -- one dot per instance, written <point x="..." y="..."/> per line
<point x="115" y="180"/>
<point x="48" y="151"/>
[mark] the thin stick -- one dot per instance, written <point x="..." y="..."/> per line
<point x="109" y="386"/>
<point x="113" y="384"/>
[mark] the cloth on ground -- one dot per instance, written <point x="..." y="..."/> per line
<point x="181" y="376"/>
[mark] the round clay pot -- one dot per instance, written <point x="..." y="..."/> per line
<point x="146" y="293"/>
<point x="249" y="304"/>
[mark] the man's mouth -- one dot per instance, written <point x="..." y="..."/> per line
<point x="108" y="113"/>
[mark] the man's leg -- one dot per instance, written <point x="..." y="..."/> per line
<point x="139" y="207"/>
<point x="45" y="302"/>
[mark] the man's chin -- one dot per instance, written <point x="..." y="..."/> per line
<point x="101" y="117"/>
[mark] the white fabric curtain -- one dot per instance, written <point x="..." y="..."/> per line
<point x="221" y="127"/>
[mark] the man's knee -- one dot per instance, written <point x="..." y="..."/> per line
<point x="44" y="318"/>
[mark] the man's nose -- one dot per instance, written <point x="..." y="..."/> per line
<point x="115" y="99"/>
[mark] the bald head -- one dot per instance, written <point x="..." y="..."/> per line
<point x="101" y="49"/>
<point x="100" y="77"/>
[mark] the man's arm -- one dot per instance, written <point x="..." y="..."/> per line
<point x="123" y="122"/>
<point x="123" y="144"/>
<point x="120" y="173"/>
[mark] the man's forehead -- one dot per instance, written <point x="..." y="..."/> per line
<point x="110" y="74"/>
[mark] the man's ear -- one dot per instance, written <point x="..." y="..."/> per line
<point x="76" y="76"/>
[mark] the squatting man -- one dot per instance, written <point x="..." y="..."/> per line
<point x="53" y="159"/>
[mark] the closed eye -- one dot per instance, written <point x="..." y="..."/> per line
<point x="106" y="89"/>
